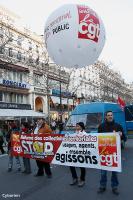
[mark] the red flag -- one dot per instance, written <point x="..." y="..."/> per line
<point x="121" y="102"/>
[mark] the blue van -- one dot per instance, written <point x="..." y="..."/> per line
<point x="92" y="114"/>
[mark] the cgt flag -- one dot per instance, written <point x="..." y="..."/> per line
<point x="121" y="102"/>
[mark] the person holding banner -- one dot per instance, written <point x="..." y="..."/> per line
<point x="13" y="128"/>
<point x="25" y="129"/>
<point x="1" y="141"/>
<point x="109" y="126"/>
<point x="80" y="131"/>
<point x="42" y="128"/>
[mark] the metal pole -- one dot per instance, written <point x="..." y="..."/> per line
<point x="60" y="103"/>
<point x="48" y="100"/>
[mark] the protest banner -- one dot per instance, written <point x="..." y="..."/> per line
<point x="93" y="150"/>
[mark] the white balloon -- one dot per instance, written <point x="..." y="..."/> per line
<point x="74" y="36"/>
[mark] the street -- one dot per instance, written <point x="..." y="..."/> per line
<point x="57" y="188"/>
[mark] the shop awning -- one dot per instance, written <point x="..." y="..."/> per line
<point x="20" y="113"/>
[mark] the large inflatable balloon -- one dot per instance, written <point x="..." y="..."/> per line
<point x="74" y="36"/>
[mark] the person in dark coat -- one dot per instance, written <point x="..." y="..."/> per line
<point x="1" y="141"/>
<point x="110" y="126"/>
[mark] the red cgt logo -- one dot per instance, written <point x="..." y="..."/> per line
<point x="89" y="26"/>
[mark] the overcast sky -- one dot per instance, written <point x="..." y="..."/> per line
<point x="117" y="17"/>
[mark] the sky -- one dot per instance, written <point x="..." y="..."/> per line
<point x="117" y="17"/>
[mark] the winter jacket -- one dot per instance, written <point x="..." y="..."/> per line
<point x="44" y="129"/>
<point x="109" y="127"/>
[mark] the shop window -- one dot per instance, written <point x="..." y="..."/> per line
<point x="25" y="99"/>
<point x="18" y="98"/>
<point x="7" y="97"/>
<point x="13" y="98"/>
<point x="21" y="98"/>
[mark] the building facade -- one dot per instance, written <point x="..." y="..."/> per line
<point x="27" y="76"/>
<point x="99" y="82"/>
<point x="29" y="79"/>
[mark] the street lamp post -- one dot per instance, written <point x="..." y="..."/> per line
<point x="60" y="103"/>
<point x="59" y="68"/>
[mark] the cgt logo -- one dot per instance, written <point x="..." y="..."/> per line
<point x="89" y="26"/>
<point x="17" y="149"/>
<point x="109" y="160"/>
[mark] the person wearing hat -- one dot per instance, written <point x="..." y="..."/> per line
<point x="42" y="127"/>
<point x="80" y="131"/>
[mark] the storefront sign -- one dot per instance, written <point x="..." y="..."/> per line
<point x="64" y="94"/>
<point x="92" y="150"/>
<point x="14" y="84"/>
<point x="15" y="106"/>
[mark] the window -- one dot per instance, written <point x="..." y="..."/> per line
<point x="1" y="32"/>
<point x="37" y="60"/>
<point x="129" y="113"/>
<point x="30" y="59"/>
<point x="37" y="49"/>
<point x="10" y="52"/>
<point x="91" y="121"/>
<point x="1" y="96"/>
<point x="13" y="98"/>
<point x="75" y="119"/>
<point x="38" y="79"/>
<point x="14" y="76"/>
<point x="10" y="75"/>
<point x="19" y="55"/>
<point x="18" y="77"/>
<point x="21" y="77"/>
<point x="6" y="97"/>
<point x="25" y="99"/>
<point x="30" y="46"/>
<point x="18" y="98"/>
<point x="11" y="37"/>
<point x="19" y="40"/>
<point x="2" y="50"/>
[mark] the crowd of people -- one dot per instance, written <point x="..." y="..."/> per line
<point x="55" y="125"/>
<point x="41" y="126"/>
